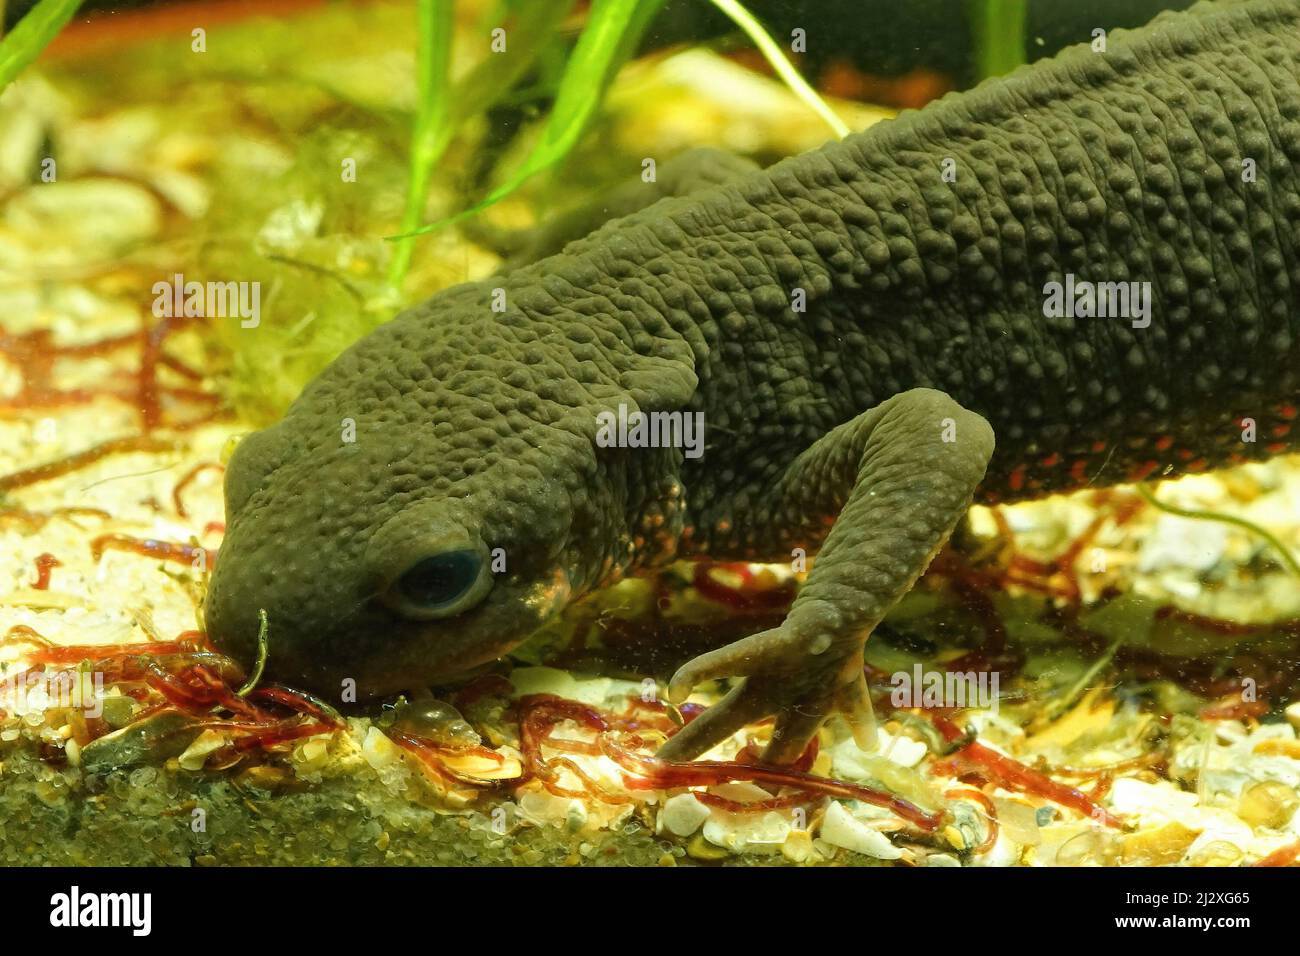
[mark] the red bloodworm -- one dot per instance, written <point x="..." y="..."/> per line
<point x="186" y="480"/>
<point x="150" y="548"/>
<point x="45" y="563"/>
<point x="82" y="459"/>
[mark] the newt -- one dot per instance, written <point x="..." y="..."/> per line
<point x="854" y="325"/>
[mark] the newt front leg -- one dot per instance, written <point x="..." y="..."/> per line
<point x="900" y="477"/>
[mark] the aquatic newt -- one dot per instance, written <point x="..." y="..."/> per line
<point x="854" y="325"/>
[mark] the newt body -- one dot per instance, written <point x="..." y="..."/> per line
<point x="858" y="423"/>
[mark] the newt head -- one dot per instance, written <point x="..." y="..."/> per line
<point x="396" y="530"/>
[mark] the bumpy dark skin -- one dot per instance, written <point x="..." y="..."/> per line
<point x="860" y="428"/>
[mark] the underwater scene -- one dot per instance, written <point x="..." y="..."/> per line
<point x="665" y="433"/>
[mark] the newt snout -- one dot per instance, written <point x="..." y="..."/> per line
<point x="371" y="570"/>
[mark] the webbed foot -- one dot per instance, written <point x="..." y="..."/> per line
<point x="799" y="681"/>
<point x="895" y="480"/>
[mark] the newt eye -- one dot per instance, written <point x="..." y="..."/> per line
<point x="441" y="585"/>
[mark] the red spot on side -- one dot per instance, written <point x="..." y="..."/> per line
<point x="1164" y="442"/>
<point x="1051" y="461"/>
<point x="1016" y="480"/>
<point x="1143" y="471"/>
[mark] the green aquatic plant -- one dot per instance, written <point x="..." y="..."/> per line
<point x="1288" y="559"/>
<point x="263" y="629"/>
<point x="32" y="35"/>
<point x="1059" y="705"/>
<point x="608" y="40"/>
<point x="605" y="43"/>
<point x="444" y="107"/>
<point x="997" y="35"/>
<point x="781" y="64"/>
<point x="309" y="239"/>
<point x="432" y="130"/>
<point x="613" y="27"/>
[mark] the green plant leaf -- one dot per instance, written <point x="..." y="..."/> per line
<point x="784" y="68"/>
<point x="433" y="127"/>
<point x="997" y="34"/>
<point x="609" y="37"/>
<point x="600" y="51"/>
<point x="32" y="34"/>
